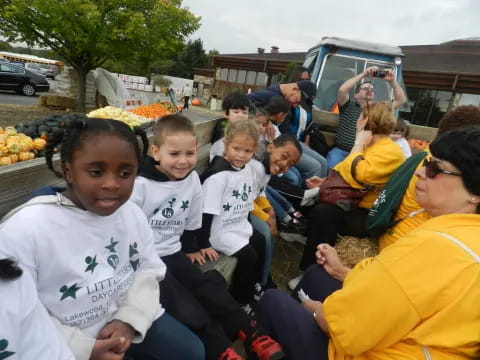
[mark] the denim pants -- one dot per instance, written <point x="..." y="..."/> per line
<point x="262" y="227"/>
<point x="167" y="339"/>
<point x="293" y="175"/>
<point x="335" y="156"/>
<point x="315" y="155"/>
<point x="279" y="203"/>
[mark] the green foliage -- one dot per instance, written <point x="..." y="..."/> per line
<point x="159" y="80"/>
<point x="191" y="56"/>
<point x="87" y="33"/>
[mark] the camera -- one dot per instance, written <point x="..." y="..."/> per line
<point x="379" y="73"/>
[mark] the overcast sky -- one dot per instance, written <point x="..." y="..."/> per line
<point x="239" y="26"/>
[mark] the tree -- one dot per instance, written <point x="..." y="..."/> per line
<point x="87" y="33"/>
<point x="192" y="56"/>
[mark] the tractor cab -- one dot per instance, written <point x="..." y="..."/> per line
<point x="335" y="60"/>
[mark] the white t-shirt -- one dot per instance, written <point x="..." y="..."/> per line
<point x="229" y="195"/>
<point x="261" y="178"/>
<point x="84" y="264"/>
<point x="187" y="91"/>
<point x="171" y="207"/>
<point x="405" y="146"/>
<point x="26" y="330"/>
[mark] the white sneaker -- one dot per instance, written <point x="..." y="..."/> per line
<point x="292" y="284"/>
<point x="292" y="237"/>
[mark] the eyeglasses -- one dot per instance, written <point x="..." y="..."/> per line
<point x="432" y="169"/>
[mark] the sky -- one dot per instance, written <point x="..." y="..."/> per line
<point x="242" y="26"/>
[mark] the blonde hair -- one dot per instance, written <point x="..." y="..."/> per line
<point x="246" y="127"/>
<point x="381" y="119"/>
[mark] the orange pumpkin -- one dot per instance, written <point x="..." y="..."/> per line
<point x="13" y="158"/>
<point x="39" y="144"/>
<point x="196" y="102"/>
<point x="25" y="155"/>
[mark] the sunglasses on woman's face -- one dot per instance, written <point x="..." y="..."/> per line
<point x="432" y="169"/>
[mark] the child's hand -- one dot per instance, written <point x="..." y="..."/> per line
<point x="197" y="257"/>
<point x="118" y="329"/>
<point x="272" y="224"/>
<point x="270" y="132"/>
<point x="210" y="254"/>
<point x="328" y="257"/>
<point x="314" y="182"/>
<point x="109" y="349"/>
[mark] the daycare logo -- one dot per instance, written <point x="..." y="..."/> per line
<point x="169" y="212"/>
<point x="185" y="205"/>
<point x="134" y="256"/>
<point x="227" y="207"/>
<point x="112" y="258"/>
<point x="4" y="353"/>
<point x="246" y="192"/>
<point x="69" y="291"/>
<point x="91" y="263"/>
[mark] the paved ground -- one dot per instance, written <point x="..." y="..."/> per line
<point x="13" y="98"/>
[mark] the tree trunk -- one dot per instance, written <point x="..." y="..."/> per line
<point x="82" y="88"/>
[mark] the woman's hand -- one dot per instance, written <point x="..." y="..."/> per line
<point x="363" y="138"/>
<point x="210" y="254"/>
<point x="327" y="257"/>
<point x="197" y="257"/>
<point x="314" y="182"/>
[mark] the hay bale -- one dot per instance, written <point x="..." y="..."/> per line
<point x="351" y="249"/>
<point x="59" y="102"/>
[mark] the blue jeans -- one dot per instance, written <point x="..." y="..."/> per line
<point x="312" y="153"/>
<point x="293" y="175"/>
<point x="279" y="203"/>
<point x="311" y="163"/>
<point x="335" y="156"/>
<point x="262" y="227"/>
<point x="167" y="339"/>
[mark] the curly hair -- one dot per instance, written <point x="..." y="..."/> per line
<point x="462" y="116"/>
<point x="247" y="127"/>
<point x="381" y="119"/>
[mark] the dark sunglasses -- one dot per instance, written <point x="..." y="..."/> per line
<point x="432" y="169"/>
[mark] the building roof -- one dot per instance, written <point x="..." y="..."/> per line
<point x="286" y="56"/>
<point x="453" y="57"/>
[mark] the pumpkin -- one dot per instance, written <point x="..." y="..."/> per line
<point x="25" y="146"/>
<point x="1" y="130"/>
<point x="39" y="144"/>
<point x="13" y="139"/>
<point x="13" y="158"/>
<point x="25" y="155"/>
<point x="4" y="149"/>
<point x="196" y="102"/>
<point x="5" y="161"/>
<point x="14" y="148"/>
<point x="10" y="130"/>
<point x="3" y="138"/>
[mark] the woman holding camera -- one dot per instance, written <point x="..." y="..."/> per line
<point x="419" y="298"/>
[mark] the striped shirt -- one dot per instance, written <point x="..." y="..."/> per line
<point x="347" y="125"/>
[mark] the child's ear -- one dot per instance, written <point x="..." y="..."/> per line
<point x="67" y="172"/>
<point x="154" y="149"/>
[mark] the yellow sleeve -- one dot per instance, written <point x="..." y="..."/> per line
<point x="370" y="311"/>
<point x="258" y="212"/>
<point x="263" y="202"/>
<point x="379" y="161"/>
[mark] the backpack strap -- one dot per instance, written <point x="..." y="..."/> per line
<point x="462" y="245"/>
<point x="353" y="170"/>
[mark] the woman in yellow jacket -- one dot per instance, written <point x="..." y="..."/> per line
<point x="418" y="299"/>
<point x="409" y="214"/>
<point x="380" y="157"/>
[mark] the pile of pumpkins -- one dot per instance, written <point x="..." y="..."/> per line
<point x="15" y="146"/>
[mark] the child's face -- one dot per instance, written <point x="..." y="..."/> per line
<point x="235" y="115"/>
<point x="278" y="118"/>
<point x="282" y="158"/>
<point x="101" y="174"/>
<point x="239" y="151"/>
<point x="395" y="135"/>
<point x="177" y="155"/>
<point x="262" y="123"/>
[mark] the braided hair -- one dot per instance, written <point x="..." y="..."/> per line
<point x="9" y="270"/>
<point x="78" y="128"/>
